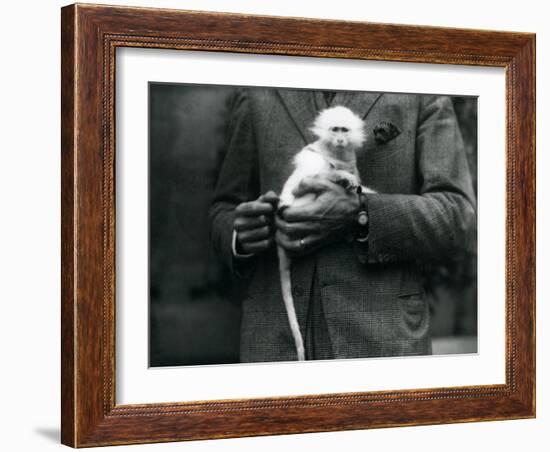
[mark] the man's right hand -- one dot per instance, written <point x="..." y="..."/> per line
<point x="254" y="224"/>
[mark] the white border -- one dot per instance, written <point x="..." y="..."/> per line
<point x="136" y="383"/>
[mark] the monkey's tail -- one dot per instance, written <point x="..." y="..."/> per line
<point x="286" y="287"/>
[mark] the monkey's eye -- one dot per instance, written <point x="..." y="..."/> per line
<point x="345" y="129"/>
<point x="334" y="129"/>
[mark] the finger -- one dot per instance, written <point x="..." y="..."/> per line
<point x="254" y="209"/>
<point x="269" y="197"/>
<point x="297" y="230"/>
<point x="254" y="235"/>
<point x="247" y="223"/>
<point x="314" y="185"/>
<point x="300" y="247"/>
<point x="289" y="245"/>
<point x="310" y="244"/>
<point x="257" y="247"/>
<point x="321" y="210"/>
<point x="300" y="214"/>
<point x="295" y="247"/>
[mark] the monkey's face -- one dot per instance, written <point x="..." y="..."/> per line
<point x="340" y="130"/>
<point x="339" y="138"/>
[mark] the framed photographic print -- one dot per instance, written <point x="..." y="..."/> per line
<point x="281" y="225"/>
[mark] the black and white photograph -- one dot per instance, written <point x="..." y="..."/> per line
<point x="293" y="224"/>
<point x="246" y="226"/>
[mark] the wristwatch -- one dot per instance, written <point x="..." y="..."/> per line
<point x="362" y="222"/>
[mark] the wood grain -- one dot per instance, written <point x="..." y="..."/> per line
<point x="68" y="297"/>
<point x="90" y="36"/>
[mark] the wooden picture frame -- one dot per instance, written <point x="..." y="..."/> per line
<point x="90" y="36"/>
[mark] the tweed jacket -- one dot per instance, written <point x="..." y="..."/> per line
<point x="372" y="296"/>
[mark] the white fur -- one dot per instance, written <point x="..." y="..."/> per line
<point x="306" y="163"/>
<point x="340" y="116"/>
<point x="325" y="159"/>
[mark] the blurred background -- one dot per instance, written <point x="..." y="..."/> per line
<point x="194" y="307"/>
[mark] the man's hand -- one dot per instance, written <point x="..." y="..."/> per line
<point x="326" y="219"/>
<point x="254" y="224"/>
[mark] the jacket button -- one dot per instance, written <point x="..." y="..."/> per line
<point x="298" y="291"/>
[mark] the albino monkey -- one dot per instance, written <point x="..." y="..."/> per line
<point x="340" y="132"/>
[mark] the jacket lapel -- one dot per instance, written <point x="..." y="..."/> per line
<point x="302" y="109"/>
<point x="360" y="103"/>
<point x="320" y="100"/>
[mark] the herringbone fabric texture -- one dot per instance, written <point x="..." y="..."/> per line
<point x="424" y="210"/>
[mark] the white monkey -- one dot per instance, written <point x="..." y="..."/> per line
<point x="340" y="133"/>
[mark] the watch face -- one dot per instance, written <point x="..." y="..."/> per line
<point x="363" y="218"/>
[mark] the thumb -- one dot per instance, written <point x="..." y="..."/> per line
<point x="313" y="185"/>
<point x="269" y="197"/>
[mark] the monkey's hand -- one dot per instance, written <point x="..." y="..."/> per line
<point x="343" y="178"/>
<point x="253" y="224"/>
<point x="328" y="218"/>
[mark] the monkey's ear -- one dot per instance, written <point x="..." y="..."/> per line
<point x="358" y="136"/>
<point x="318" y="132"/>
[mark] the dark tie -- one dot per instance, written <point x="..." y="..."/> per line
<point x="329" y="95"/>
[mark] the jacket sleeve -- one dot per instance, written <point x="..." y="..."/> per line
<point x="439" y="222"/>
<point x="237" y="182"/>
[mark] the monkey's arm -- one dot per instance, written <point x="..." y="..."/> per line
<point x="439" y="222"/>
<point x="237" y="183"/>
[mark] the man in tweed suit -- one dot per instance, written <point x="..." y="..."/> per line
<point x="355" y="296"/>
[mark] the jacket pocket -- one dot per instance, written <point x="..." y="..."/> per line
<point x="412" y="303"/>
<point x="412" y="282"/>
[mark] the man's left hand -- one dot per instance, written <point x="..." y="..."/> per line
<point x="328" y="218"/>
